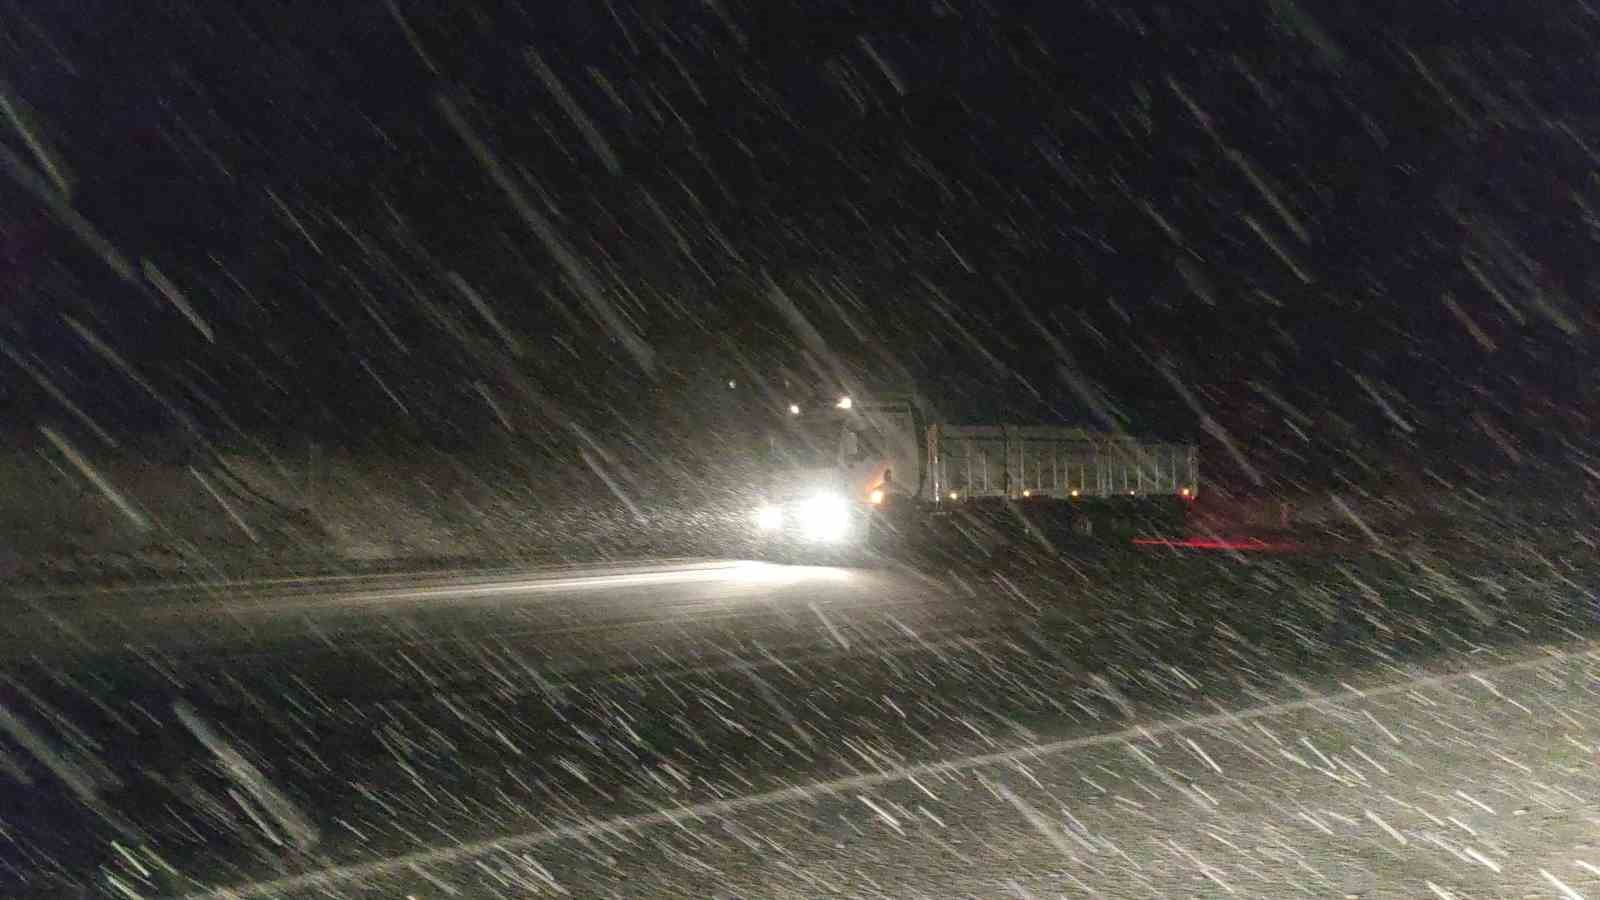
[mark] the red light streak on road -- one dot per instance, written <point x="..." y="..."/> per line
<point x="1241" y="544"/>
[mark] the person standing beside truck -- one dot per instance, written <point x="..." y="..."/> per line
<point x="883" y="494"/>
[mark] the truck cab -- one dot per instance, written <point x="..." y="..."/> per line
<point x="832" y="465"/>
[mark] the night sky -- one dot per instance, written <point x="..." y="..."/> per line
<point x="1341" y="239"/>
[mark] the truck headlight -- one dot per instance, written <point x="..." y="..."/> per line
<point x="769" y="517"/>
<point x="825" y="517"/>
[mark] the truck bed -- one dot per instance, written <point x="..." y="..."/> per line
<point x="1016" y="461"/>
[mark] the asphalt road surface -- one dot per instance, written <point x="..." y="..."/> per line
<point x="1148" y="724"/>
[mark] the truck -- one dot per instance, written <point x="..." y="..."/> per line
<point x="846" y="471"/>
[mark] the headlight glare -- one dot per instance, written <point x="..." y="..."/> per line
<point x="769" y="517"/>
<point x="825" y="517"/>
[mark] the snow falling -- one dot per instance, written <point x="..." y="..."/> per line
<point x="411" y="415"/>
